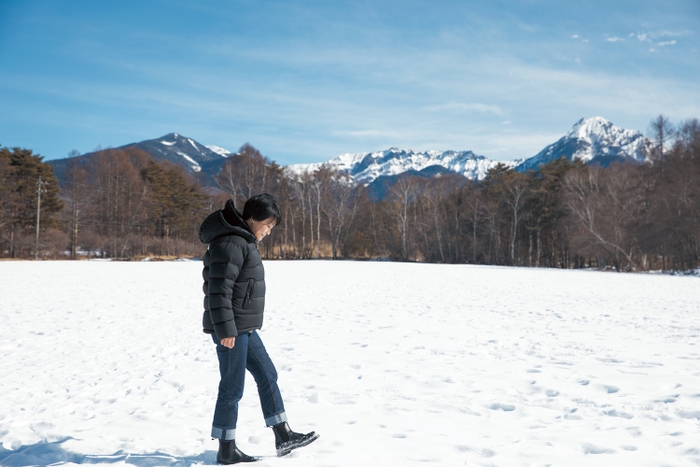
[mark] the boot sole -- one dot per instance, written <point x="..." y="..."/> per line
<point x="242" y="461"/>
<point x="287" y="448"/>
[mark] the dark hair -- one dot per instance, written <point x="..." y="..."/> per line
<point x="261" y="207"/>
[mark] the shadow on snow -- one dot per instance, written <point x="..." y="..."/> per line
<point x="45" y="453"/>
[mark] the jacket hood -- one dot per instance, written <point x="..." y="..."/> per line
<point x="227" y="221"/>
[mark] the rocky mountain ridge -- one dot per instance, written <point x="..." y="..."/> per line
<point x="367" y="167"/>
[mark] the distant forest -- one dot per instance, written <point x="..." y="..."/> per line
<point x="122" y="204"/>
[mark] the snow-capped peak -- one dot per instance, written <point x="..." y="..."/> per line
<point x="598" y="130"/>
<point x="181" y="150"/>
<point x="593" y="139"/>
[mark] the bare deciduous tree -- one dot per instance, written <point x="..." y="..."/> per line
<point x="604" y="204"/>
<point x="402" y="195"/>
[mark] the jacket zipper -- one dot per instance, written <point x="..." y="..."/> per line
<point x="249" y="291"/>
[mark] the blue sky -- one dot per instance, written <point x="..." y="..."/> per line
<point x="306" y="81"/>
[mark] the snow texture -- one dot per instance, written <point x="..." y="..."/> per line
<point x="394" y="364"/>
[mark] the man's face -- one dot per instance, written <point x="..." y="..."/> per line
<point x="262" y="229"/>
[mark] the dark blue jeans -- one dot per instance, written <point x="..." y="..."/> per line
<point x="248" y="353"/>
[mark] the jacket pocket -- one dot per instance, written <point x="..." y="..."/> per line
<point x="249" y="292"/>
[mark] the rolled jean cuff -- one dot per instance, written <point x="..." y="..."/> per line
<point x="276" y="419"/>
<point x="223" y="434"/>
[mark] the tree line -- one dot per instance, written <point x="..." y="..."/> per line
<point x="112" y="204"/>
<point x="122" y="204"/>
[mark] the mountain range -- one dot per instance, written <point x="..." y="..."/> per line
<point x="592" y="140"/>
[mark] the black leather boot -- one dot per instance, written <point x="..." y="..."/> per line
<point x="287" y="440"/>
<point x="230" y="454"/>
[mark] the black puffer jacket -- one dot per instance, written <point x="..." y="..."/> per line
<point x="234" y="278"/>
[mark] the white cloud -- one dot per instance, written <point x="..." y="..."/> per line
<point x="512" y="144"/>
<point x="470" y="107"/>
<point x="671" y="33"/>
<point x="654" y="35"/>
<point x="376" y="134"/>
<point x="663" y="44"/>
<point x="575" y="36"/>
<point x="614" y="39"/>
<point x="606" y="94"/>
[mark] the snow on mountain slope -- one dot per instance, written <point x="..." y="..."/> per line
<point x="198" y="160"/>
<point x="367" y="167"/>
<point x="194" y="165"/>
<point x="181" y="150"/>
<point x="220" y="151"/>
<point x="593" y="140"/>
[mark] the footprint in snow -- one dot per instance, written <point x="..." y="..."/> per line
<point x="591" y="449"/>
<point x="668" y="400"/>
<point x="503" y="407"/>
<point x="615" y="413"/>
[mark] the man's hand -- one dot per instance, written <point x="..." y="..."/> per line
<point x="228" y="342"/>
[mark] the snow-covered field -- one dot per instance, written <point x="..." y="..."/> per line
<point x="394" y="364"/>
